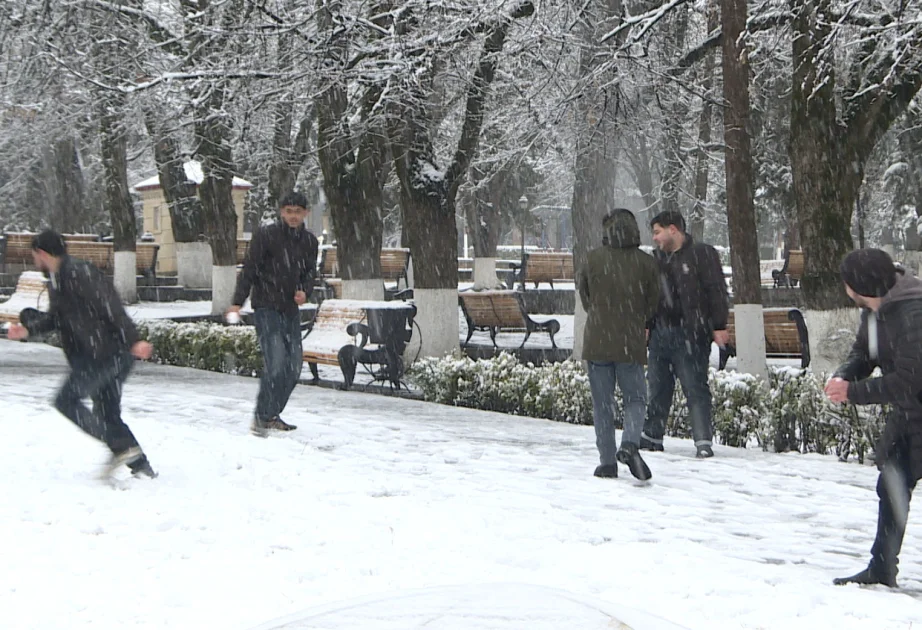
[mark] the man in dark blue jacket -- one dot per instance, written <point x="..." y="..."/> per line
<point x="889" y="337"/>
<point x="280" y="268"/>
<point x="100" y="342"/>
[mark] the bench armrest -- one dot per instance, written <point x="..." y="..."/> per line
<point x="356" y="329"/>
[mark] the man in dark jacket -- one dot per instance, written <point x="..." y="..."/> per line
<point x="693" y="310"/>
<point x="280" y="267"/>
<point x="619" y="289"/>
<point x="100" y="342"/>
<point x="889" y="337"/>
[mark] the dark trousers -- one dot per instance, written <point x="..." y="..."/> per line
<point x="280" y="341"/>
<point x="101" y="382"/>
<point x="673" y="355"/>
<point x="894" y="487"/>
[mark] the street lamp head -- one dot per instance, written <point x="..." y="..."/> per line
<point x="523" y="202"/>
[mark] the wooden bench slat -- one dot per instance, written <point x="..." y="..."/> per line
<point x="782" y="336"/>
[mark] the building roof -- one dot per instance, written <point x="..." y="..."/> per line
<point x="193" y="173"/>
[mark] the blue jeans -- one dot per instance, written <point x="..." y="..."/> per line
<point x="279" y="338"/>
<point x="673" y="355"/>
<point x="101" y="382"/>
<point x="602" y="380"/>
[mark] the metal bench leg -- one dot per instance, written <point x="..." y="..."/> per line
<point x="314" y="372"/>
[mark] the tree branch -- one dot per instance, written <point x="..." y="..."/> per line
<point x="158" y="31"/>
<point x="477" y="94"/>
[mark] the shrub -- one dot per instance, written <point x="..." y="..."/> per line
<point x="205" y="346"/>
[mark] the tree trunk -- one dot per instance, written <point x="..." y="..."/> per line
<point x="702" y="161"/>
<point x="64" y="185"/>
<point x="741" y="216"/>
<point x="428" y="196"/>
<point x="114" y="153"/>
<point x="826" y="178"/>
<point x="354" y="172"/>
<point x="180" y="194"/>
<point x="674" y="163"/>
<point x="219" y="215"/>
<point x="593" y="188"/>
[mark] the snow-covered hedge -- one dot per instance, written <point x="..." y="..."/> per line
<point x="205" y="346"/>
<point x="792" y="414"/>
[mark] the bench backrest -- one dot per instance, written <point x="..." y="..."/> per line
<point x="795" y="266"/>
<point x="335" y="315"/>
<point x="548" y="266"/>
<point x="394" y="262"/>
<point x="146" y="256"/>
<point x="18" y="248"/>
<point x="243" y="245"/>
<point x="329" y="268"/>
<point x="781" y="334"/>
<point x="31" y="292"/>
<point x="100" y="254"/>
<point x="501" y="309"/>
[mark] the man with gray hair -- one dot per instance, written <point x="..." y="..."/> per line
<point x="889" y="337"/>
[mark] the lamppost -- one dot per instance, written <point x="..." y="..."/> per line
<point x="523" y="207"/>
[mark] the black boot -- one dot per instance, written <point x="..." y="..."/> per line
<point x="868" y="576"/>
<point x="704" y="452"/>
<point x="607" y="471"/>
<point x="142" y="468"/>
<point x="629" y="455"/>
<point x="650" y="445"/>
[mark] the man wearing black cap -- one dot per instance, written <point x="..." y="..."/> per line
<point x="280" y="267"/>
<point x="889" y="337"/>
<point x="100" y="342"/>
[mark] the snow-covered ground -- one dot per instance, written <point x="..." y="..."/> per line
<point x="377" y="495"/>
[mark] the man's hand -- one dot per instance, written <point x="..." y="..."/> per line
<point x="17" y="332"/>
<point x="142" y="350"/>
<point x="300" y="297"/>
<point x="232" y="315"/>
<point x="837" y="390"/>
<point x="722" y="338"/>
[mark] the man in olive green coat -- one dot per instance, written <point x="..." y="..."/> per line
<point x="619" y="290"/>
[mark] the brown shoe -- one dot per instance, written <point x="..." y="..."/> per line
<point x="261" y="428"/>
<point x="280" y="425"/>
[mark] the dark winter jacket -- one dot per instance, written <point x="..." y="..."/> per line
<point x="694" y="292"/>
<point x="896" y="349"/>
<point x="86" y="310"/>
<point x="619" y="289"/>
<point x="280" y="262"/>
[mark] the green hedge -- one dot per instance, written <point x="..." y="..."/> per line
<point x="791" y="414"/>
<point x="205" y="346"/>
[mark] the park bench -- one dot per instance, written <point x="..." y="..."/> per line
<point x="395" y="262"/>
<point x="146" y="259"/>
<point x="31" y="292"/>
<point x="17" y="249"/>
<point x="541" y="267"/>
<point x="793" y="270"/>
<point x="243" y="246"/>
<point x="102" y="255"/>
<point x="501" y="311"/>
<point x="347" y="333"/>
<point x="785" y="336"/>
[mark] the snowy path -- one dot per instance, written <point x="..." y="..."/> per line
<point x="375" y="494"/>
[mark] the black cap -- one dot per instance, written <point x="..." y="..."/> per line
<point x="869" y="272"/>
<point x="51" y="242"/>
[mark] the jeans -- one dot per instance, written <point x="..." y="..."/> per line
<point x="673" y="355"/>
<point x="279" y="338"/>
<point x="602" y="380"/>
<point x="102" y="383"/>
<point x="894" y="487"/>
